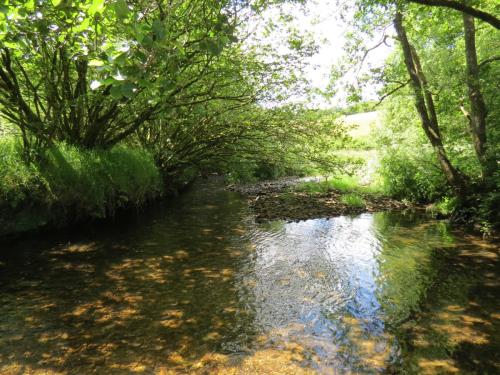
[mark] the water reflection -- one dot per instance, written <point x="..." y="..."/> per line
<point x="196" y="286"/>
<point x="314" y="284"/>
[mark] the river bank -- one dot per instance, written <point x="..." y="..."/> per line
<point x="282" y="200"/>
<point x="66" y="185"/>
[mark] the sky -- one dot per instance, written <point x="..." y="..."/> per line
<point x="321" y="18"/>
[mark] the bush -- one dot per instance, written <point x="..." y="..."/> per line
<point x="70" y="184"/>
<point x="412" y="174"/>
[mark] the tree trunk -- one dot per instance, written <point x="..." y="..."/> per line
<point x="424" y="104"/>
<point x="478" y="111"/>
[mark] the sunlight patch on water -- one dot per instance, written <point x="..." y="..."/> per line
<point x="201" y="288"/>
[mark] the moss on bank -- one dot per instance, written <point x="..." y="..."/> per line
<point x="70" y="184"/>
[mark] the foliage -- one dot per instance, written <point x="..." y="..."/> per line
<point x="72" y="184"/>
<point x="412" y="175"/>
<point x="444" y="207"/>
<point x="186" y="81"/>
<point x="193" y="86"/>
<point x="246" y="143"/>
<point x="90" y="72"/>
<point x="409" y="165"/>
<point x="359" y="107"/>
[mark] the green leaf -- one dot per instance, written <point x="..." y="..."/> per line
<point x="212" y="46"/>
<point x="120" y="90"/>
<point x="147" y="41"/>
<point x="96" y="7"/>
<point x="159" y="29"/>
<point x="30" y="5"/>
<point x="96" y="63"/>
<point x="116" y="91"/>
<point x="121" y="59"/>
<point x="83" y="26"/>
<point x="167" y="84"/>
<point x="121" y="9"/>
<point x="127" y="89"/>
<point x="56" y="2"/>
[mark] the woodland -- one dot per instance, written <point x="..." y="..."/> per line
<point x="107" y="104"/>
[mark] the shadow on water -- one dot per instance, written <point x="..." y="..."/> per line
<point x="146" y="298"/>
<point x="457" y="329"/>
<point x="197" y="286"/>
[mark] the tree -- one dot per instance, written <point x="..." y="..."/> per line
<point x="92" y="72"/>
<point x="424" y="103"/>
<point x="478" y="110"/>
<point x="232" y="123"/>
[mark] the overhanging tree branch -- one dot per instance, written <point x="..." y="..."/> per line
<point x="461" y="7"/>
<point x="397" y="88"/>
<point x="488" y="61"/>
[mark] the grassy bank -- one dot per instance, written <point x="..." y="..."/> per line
<point x="352" y="193"/>
<point x="344" y="184"/>
<point x="70" y="184"/>
<point x="290" y="199"/>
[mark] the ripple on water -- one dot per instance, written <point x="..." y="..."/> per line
<point x="197" y="286"/>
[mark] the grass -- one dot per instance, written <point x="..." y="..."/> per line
<point x="69" y="184"/>
<point x="353" y="200"/>
<point x="344" y="184"/>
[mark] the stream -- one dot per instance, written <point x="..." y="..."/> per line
<point x="195" y="285"/>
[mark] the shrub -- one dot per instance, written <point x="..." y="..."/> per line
<point x="412" y="174"/>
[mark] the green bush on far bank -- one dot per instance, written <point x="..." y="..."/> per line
<point x="69" y="184"/>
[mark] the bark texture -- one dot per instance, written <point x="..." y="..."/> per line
<point x="424" y="104"/>
<point x="478" y="111"/>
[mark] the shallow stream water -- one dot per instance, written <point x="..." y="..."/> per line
<point x="196" y="286"/>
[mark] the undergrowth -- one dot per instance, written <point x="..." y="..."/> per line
<point x="68" y="184"/>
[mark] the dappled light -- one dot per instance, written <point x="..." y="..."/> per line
<point x="249" y="187"/>
<point x="206" y="290"/>
<point x="462" y="318"/>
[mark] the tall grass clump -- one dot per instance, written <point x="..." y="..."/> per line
<point x="69" y="184"/>
<point x="344" y="184"/>
<point x="353" y="200"/>
<point x="17" y="179"/>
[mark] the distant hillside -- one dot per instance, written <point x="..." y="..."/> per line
<point x="362" y="123"/>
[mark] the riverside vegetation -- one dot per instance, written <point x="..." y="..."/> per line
<point x="72" y="184"/>
<point x="109" y="104"/>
